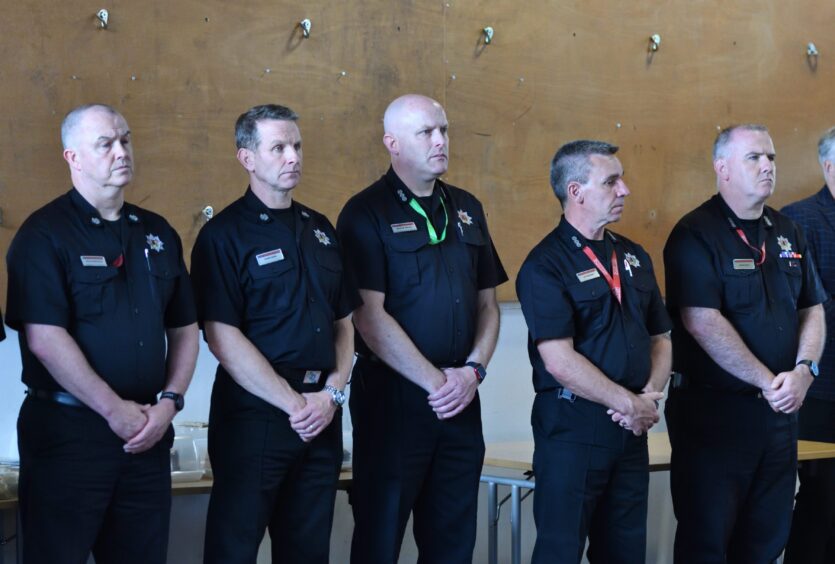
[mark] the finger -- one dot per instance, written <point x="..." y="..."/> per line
<point x="444" y="390"/>
<point x="454" y="412"/>
<point x="444" y="401"/>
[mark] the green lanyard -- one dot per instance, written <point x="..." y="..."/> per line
<point x="433" y="235"/>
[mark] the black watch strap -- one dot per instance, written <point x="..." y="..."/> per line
<point x="480" y="371"/>
<point x="179" y="401"/>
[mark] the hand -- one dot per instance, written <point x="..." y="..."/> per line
<point x="159" y="418"/>
<point x="456" y="393"/>
<point x="127" y="419"/>
<point x="643" y="413"/>
<point x="315" y="416"/>
<point x="788" y="389"/>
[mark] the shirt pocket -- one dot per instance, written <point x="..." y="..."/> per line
<point x="793" y="275"/>
<point x="403" y="262"/>
<point x="93" y="290"/>
<point x="644" y="284"/>
<point x="163" y="280"/>
<point x="474" y="240"/>
<point x="589" y="299"/>
<point x="271" y="287"/>
<point x="743" y="289"/>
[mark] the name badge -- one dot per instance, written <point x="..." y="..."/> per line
<point x="312" y="376"/>
<point x="587" y="275"/>
<point x="403" y="227"/>
<point x="270" y="257"/>
<point x="744" y="264"/>
<point x="90" y="260"/>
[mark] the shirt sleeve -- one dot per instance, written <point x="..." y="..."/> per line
<point x="658" y="320"/>
<point x="363" y="251"/>
<point x="691" y="277"/>
<point x="812" y="292"/>
<point x="217" y="289"/>
<point x="491" y="272"/>
<point x="37" y="291"/>
<point x="180" y="310"/>
<point x="545" y="302"/>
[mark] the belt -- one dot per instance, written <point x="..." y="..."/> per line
<point x="681" y="381"/>
<point x="64" y="398"/>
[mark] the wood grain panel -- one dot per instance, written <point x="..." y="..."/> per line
<point x="182" y="72"/>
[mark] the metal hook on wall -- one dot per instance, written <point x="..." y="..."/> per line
<point x="208" y="212"/>
<point x="306" y="24"/>
<point x="103" y="15"/>
<point x="488" y="35"/>
<point x="654" y="42"/>
<point x="811" y="50"/>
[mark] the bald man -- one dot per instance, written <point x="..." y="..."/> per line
<point x="100" y="295"/>
<point x="427" y="272"/>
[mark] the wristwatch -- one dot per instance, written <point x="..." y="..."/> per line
<point x="813" y="366"/>
<point x="337" y="396"/>
<point x="179" y="401"/>
<point x="480" y="371"/>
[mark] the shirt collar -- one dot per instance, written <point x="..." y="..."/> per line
<point x="735" y="222"/>
<point x="575" y="239"/>
<point x="92" y="216"/>
<point x="404" y="194"/>
<point x="257" y="212"/>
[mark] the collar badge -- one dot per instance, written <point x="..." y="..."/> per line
<point x="95" y="221"/>
<point x="402" y="195"/>
<point x="264" y="217"/>
<point x="132" y="217"/>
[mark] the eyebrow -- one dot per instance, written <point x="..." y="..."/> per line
<point x="107" y="138"/>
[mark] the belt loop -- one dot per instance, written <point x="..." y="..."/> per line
<point x="564" y="394"/>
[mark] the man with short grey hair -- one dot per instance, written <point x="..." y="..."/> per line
<point x="812" y="538"/>
<point x="100" y="295"/>
<point x="600" y="349"/>
<point x="748" y="331"/>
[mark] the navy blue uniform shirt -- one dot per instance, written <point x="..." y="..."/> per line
<point x="709" y="266"/>
<point x="431" y="290"/>
<point x="283" y="288"/>
<point x="563" y="295"/>
<point x="816" y="216"/>
<point x="115" y="289"/>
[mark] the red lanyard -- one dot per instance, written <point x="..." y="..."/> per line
<point x="614" y="279"/>
<point x="761" y="250"/>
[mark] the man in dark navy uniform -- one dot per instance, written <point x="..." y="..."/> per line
<point x="749" y="327"/>
<point x="427" y="271"/>
<point x="275" y="309"/>
<point x="812" y="538"/>
<point x="600" y="349"/>
<point x="101" y="299"/>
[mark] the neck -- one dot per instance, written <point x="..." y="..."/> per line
<point x="420" y="187"/>
<point x="273" y="199"/>
<point x="593" y="231"/>
<point x="744" y="210"/>
<point x="107" y="200"/>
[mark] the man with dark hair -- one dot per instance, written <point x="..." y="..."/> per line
<point x="812" y="538"/>
<point x="599" y="345"/>
<point x="275" y="309"/>
<point x="748" y="330"/>
<point x="427" y="273"/>
<point x="100" y="296"/>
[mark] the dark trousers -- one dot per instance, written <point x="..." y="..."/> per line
<point x="265" y="476"/>
<point x="732" y="476"/>
<point x="812" y="538"/>
<point x="585" y="490"/>
<point x="81" y="493"/>
<point x="407" y="460"/>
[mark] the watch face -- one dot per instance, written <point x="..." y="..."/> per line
<point x="339" y="397"/>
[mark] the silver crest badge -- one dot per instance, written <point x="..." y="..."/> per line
<point x="154" y="243"/>
<point x="322" y="237"/>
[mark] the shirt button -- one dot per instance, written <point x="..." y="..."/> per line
<point x="141" y="343"/>
<point x="458" y="332"/>
<point x="318" y="330"/>
<point x="136" y="310"/>
<point x="312" y="300"/>
<point x="457" y="301"/>
<point x="779" y="328"/>
<point x="451" y="270"/>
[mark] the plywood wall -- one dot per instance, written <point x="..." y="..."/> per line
<point x="181" y="71"/>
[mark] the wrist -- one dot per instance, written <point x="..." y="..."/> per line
<point x="478" y="369"/>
